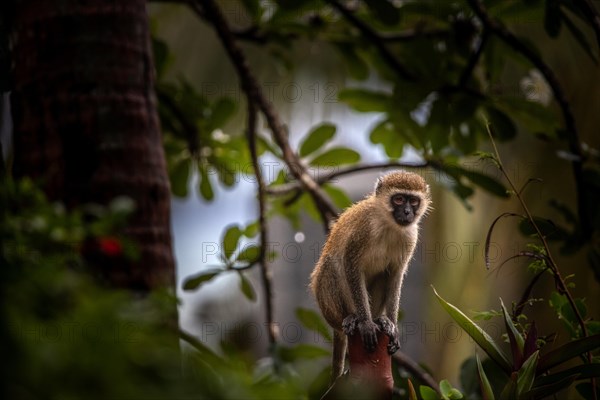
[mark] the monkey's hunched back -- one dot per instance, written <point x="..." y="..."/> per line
<point x="358" y="277"/>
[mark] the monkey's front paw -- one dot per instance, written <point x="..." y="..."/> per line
<point x="368" y="332"/>
<point x="389" y="328"/>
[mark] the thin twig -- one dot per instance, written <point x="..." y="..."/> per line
<point x="294" y="186"/>
<point x="526" y="293"/>
<point x="473" y="60"/>
<point x="415" y="370"/>
<point x="560" y="282"/>
<point x="548" y="258"/>
<point x="374" y="38"/>
<point x="262" y="222"/>
<point x="253" y="91"/>
<point x="574" y="143"/>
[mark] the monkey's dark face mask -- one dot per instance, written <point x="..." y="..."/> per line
<point x="405" y="208"/>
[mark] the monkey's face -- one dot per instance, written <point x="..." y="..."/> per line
<point x="405" y="208"/>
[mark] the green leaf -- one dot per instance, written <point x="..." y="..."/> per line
<point x="517" y="343"/>
<point x="568" y="351"/>
<point x="486" y="388"/>
<point x="249" y="254"/>
<point x="246" y="288"/>
<point x="335" y="157"/>
<point x="487" y="183"/>
<point x="547" y="227"/>
<point x="465" y="139"/>
<point x="510" y="389"/>
<point x="579" y="372"/>
<point x="550" y="389"/>
<point x="448" y="392"/>
<point x="534" y="116"/>
<point x="385" y="134"/>
<point x="428" y="393"/>
<point x="222" y="111"/>
<point x="357" y="67"/>
<point x="179" y="176"/>
<point x="502" y="125"/>
<point x="338" y="196"/>
<point x="302" y="351"/>
<point x="439" y="136"/>
<point x="317" y="138"/>
<point x="455" y="394"/>
<point x="445" y="387"/>
<point x="252" y="229"/>
<point x="569" y="314"/>
<point x="225" y="170"/>
<point x="230" y="240"/>
<point x="195" y="281"/>
<point x="526" y="374"/>
<point x="485" y="315"/>
<point x="479" y="335"/>
<point x="313" y="321"/>
<point x="206" y="190"/>
<point x="365" y="100"/>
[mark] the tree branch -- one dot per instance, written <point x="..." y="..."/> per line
<point x="262" y="212"/>
<point x="589" y="12"/>
<point x="287" y="188"/>
<point x="473" y="60"/>
<point x="574" y="142"/>
<point x="253" y="91"/>
<point x="415" y="370"/>
<point x="374" y="38"/>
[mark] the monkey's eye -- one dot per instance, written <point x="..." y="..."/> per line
<point x="398" y="199"/>
<point x="414" y="202"/>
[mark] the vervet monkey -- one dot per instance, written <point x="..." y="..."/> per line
<point x="358" y="277"/>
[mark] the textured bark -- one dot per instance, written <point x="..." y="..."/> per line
<point x="85" y="119"/>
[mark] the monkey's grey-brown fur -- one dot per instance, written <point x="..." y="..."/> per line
<point x="358" y="278"/>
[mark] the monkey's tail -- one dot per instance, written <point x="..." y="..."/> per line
<point x="340" y="342"/>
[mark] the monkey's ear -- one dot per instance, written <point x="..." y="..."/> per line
<point x="378" y="185"/>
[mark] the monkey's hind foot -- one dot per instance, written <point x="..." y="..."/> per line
<point x="389" y="328"/>
<point x="367" y="330"/>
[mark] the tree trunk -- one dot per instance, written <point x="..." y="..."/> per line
<point x="370" y="375"/>
<point x="85" y="120"/>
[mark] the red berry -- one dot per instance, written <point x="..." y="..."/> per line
<point x="110" y="246"/>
